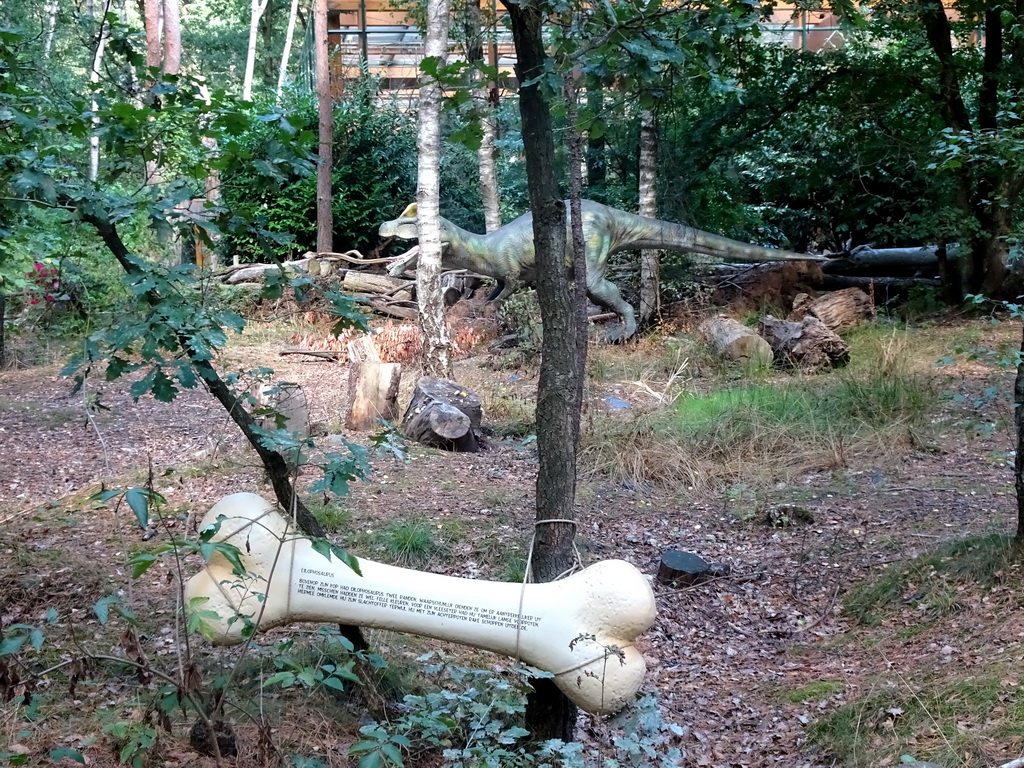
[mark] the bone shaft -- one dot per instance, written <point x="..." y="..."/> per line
<point x="478" y="613"/>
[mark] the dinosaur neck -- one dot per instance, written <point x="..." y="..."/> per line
<point x="465" y="249"/>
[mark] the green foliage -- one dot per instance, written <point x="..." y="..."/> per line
<point x="410" y="543"/>
<point x="374" y="170"/>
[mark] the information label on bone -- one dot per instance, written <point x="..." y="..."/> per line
<point x="311" y="585"/>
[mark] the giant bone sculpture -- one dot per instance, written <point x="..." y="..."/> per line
<point x="507" y="253"/>
<point x="580" y="628"/>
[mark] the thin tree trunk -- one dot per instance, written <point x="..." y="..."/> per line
<point x="151" y="10"/>
<point x="94" y="78"/>
<point x="488" y="181"/>
<point x="172" y="38"/>
<point x="1018" y="462"/>
<point x="325" y="106"/>
<point x="3" y="330"/>
<point x="267" y="33"/>
<point x="287" y="52"/>
<point x="273" y="462"/>
<point x="650" y="289"/>
<point x="549" y="714"/>
<point x="436" y="341"/>
<point x="596" y="155"/>
<point x="51" y="28"/>
<point x="256" y="11"/>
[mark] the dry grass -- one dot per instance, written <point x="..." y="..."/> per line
<point x="771" y="428"/>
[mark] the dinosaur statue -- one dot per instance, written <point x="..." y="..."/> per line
<point x="507" y="253"/>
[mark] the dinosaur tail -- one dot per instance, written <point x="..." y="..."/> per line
<point x="641" y="233"/>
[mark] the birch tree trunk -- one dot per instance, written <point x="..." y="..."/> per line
<point x="488" y="182"/>
<point x="650" y="293"/>
<point x="436" y="342"/>
<point x="94" y="78"/>
<point x="286" y="53"/>
<point x="51" y="28"/>
<point x="258" y="7"/>
<point x="325" y="107"/>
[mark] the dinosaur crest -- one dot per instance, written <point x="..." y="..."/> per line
<point x="409" y="212"/>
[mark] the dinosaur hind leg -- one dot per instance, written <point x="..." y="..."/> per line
<point x="606" y="294"/>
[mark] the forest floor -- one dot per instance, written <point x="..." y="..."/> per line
<point x="751" y="667"/>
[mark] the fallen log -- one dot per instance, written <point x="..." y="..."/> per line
<point x="403" y="310"/>
<point x="915" y="260"/>
<point x="809" y="344"/>
<point x="735" y="341"/>
<point x="326" y="355"/>
<point x="443" y="414"/>
<point x="838" y="310"/>
<point x="367" y="282"/>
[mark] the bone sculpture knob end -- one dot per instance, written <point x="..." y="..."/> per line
<point x="581" y="628"/>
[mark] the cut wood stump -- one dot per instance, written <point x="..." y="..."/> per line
<point x="286" y="407"/>
<point x="809" y="344"/>
<point x="684" y="569"/>
<point x="838" y="310"/>
<point x="373" y="386"/>
<point x="735" y="341"/>
<point x="443" y="414"/>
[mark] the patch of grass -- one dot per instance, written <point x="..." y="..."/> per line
<point x="333" y="518"/>
<point x="411" y="542"/>
<point x="819" y="689"/>
<point x="773" y="428"/>
<point x="950" y="720"/>
<point x="931" y="584"/>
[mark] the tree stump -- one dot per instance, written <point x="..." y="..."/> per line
<point x="735" y="341"/>
<point x="443" y="414"/>
<point x="291" y="411"/>
<point x="809" y="344"/>
<point x="373" y="386"/>
<point x="838" y="310"/>
<point x="682" y="569"/>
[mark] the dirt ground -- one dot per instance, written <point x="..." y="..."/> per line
<point x="723" y="656"/>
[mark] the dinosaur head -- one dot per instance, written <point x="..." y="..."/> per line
<point x="403" y="227"/>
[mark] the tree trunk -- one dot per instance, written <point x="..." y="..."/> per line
<point x="808" y="345"/>
<point x="488" y="181"/>
<point x="287" y="52"/>
<point x="838" y="310"/>
<point x="596" y="153"/>
<point x="273" y="462"/>
<point x="437" y="346"/>
<point x="172" y="38"/>
<point x="444" y="414"/>
<point x="154" y="47"/>
<point x="94" y="78"/>
<point x="734" y="341"/>
<point x="650" y="292"/>
<point x="256" y="11"/>
<point x="267" y="33"/>
<point x="325" y="109"/>
<point x="1018" y="461"/>
<point x="3" y="330"/>
<point x="51" y="28"/>
<point x="549" y="714"/>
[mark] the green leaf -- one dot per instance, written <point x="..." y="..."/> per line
<point x="138" y="500"/>
<point x="371" y="759"/>
<point x="102" y="607"/>
<point x="11" y="645"/>
<point x="58" y="754"/>
<point x="141" y="563"/>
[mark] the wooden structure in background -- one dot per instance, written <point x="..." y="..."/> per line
<point x="387" y="40"/>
